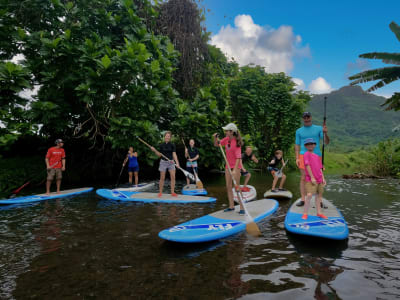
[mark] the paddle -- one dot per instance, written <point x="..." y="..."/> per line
<point x="119" y="175"/>
<point x="16" y="191"/>
<point x="186" y="173"/>
<point x="279" y="173"/>
<point x="323" y="139"/>
<point x="251" y="227"/>
<point x="199" y="184"/>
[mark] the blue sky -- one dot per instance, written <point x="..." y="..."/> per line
<point x="306" y="39"/>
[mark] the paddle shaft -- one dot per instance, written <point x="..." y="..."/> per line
<point x="120" y="175"/>
<point x="194" y="171"/>
<point x="323" y="139"/>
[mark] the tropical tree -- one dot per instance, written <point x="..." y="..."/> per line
<point x="384" y="75"/>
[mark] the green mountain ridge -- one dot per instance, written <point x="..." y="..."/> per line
<point x="355" y="118"/>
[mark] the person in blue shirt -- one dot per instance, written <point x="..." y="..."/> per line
<point x="133" y="165"/>
<point x="306" y="132"/>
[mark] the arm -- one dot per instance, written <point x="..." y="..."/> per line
<point x="323" y="178"/>
<point x="216" y="139"/>
<point x="175" y="159"/>
<point x="186" y="153"/>
<point x="254" y="158"/>
<point x="63" y="163"/>
<point x="155" y="151"/>
<point x="47" y="163"/>
<point x="135" y="154"/>
<point x="194" y="158"/>
<point x="297" y="151"/>
<point x="311" y="174"/>
<point x="325" y="134"/>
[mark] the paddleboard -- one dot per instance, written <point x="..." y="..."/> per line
<point x="136" y="188"/>
<point x="278" y="195"/>
<point x="334" y="227"/>
<point x="247" y="196"/>
<point x="220" y="224"/>
<point x="191" y="189"/>
<point x="151" y="197"/>
<point x="42" y="197"/>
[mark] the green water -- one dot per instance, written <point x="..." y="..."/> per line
<point x="86" y="247"/>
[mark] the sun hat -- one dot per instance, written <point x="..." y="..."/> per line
<point x="231" y="127"/>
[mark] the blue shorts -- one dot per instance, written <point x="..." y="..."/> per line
<point x="272" y="170"/>
<point x="133" y="169"/>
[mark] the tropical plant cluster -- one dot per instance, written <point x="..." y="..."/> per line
<point x="103" y="72"/>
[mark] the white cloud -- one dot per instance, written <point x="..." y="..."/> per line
<point x="319" y="86"/>
<point x="299" y="84"/>
<point x="249" y="43"/>
<point x="387" y="95"/>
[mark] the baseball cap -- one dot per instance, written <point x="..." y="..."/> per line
<point x="306" y="114"/>
<point x="58" y="141"/>
<point x="230" y="126"/>
<point x="309" y="141"/>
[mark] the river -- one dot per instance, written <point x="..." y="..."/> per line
<point x="86" y="247"/>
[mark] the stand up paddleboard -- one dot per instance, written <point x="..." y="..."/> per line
<point x="136" y="188"/>
<point x="247" y="196"/>
<point x="278" y="195"/>
<point x="220" y="224"/>
<point x="191" y="189"/>
<point x="42" y="197"/>
<point x="151" y="197"/>
<point x="334" y="227"/>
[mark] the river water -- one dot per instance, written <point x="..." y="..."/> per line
<point x="86" y="247"/>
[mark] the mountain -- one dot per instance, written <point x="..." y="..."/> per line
<point x="354" y="118"/>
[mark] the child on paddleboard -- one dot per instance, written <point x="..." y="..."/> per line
<point x="315" y="180"/>
<point x="168" y="149"/>
<point x="233" y="143"/>
<point x="247" y="156"/>
<point x="192" y="155"/>
<point x="273" y="168"/>
<point x="133" y="165"/>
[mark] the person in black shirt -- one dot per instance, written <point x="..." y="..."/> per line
<point x="247" y="156"/>
<point x="192" y="155"/>
<point x="169" y="150"/>
<point x="273" y="168"/>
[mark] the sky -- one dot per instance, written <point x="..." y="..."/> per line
<point x="317" y="43"/>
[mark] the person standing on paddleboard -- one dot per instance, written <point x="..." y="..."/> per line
<point x="192" y="155"/>
<point x="248" y="155"/>
<point x="273" y="168"/>
<point x="168" y="149"/>
<point x="133" y="165"/>
<point x="308" y="131"/>
<point x="233" y="148"/>
<point x="315" y="180"/>
<point x="55" y="164"/>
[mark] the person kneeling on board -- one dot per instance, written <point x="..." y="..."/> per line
<point x="168" y="149"/>
<point x="133" y="165"/>
<point x="192" y="155"/>
<point x="273" y="168"/>
<point x="55" y="164"/>
<point x="315" y="180"/>
<point x="247" y="156"/>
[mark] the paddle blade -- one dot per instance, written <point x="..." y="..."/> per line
<point x="191" y="177"/>
<point x="199" y="184"/>
<point x="252" y="229"/>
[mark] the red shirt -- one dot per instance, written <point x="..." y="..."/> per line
<point x="233" y="152"/>
<point x="55" y="155"/>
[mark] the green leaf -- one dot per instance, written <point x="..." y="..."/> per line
<point x="155" y="66"/>
<point x="106" y="62"/>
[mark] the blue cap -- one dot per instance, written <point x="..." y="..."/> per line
<point x="309" y="141"/>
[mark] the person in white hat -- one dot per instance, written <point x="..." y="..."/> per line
<point x="233" y="147"/>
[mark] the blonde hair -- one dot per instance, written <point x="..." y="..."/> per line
<point x="279" y="152"/>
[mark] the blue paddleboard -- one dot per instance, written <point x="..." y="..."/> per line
<point x="220" y="224"/>
<point x="42" y="197"/>
<point x="151" y="197"/>
<point x="191" y="189"/>
<point x="335" y="227"/>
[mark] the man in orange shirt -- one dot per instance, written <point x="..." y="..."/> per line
<point x="55" y="163"/>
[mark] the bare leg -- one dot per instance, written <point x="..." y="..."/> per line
<point x="246" y="179"/>
<point x="187" y="181"/>
<point x="307" y="203"/>
<point x="228" y="180"/>
<point x="236" y="175"/>
<point x="276" y="178"/>
<point x="130" y="177"/>
<point x="172" y="176"/>
<point x="161" y="184"/>
<point x="318" y="200"/>
<point x="303" y="184"/>
<point x="58" y="183"/>
<point x="136" y="178"/>
<point x="282" y="181"/>
<point x="48" y="184"/>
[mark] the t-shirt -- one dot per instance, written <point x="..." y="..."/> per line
<point x="314" y="161"/>
<point x="246" y="158"/>
<point x="55" y="155"/>
<point x="305" y="132"/>
<point x="277" y="162"/>
<point x="193" y="152"/>
<point x="132" y="161"/>
<point x="167" y="149"/>
<point x="233" y="152"/>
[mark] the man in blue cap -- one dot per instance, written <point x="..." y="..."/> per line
<point x="308" y="131"/>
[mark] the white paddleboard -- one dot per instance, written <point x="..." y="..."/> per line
<point x="135" y="188"/>
<point x="278" y="195"/>
<point x="247" y="196"/>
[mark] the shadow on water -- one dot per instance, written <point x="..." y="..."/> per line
<point x="178" y="250"/>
